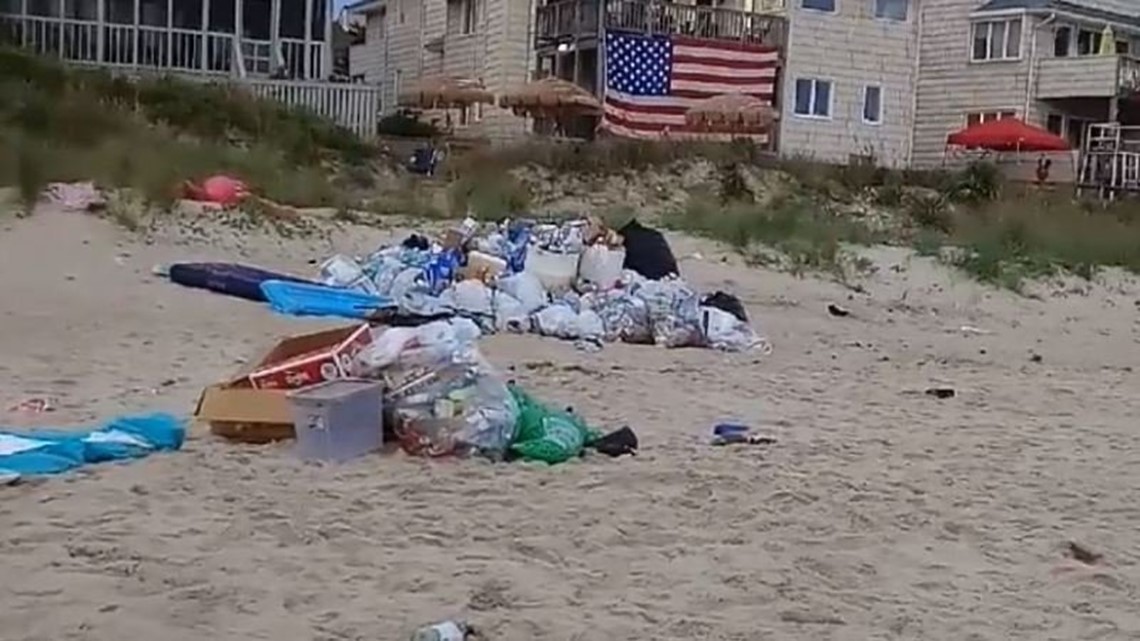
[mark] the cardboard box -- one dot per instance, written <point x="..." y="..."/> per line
<point x="236" y="410"/>
<point x="285" y="368"/>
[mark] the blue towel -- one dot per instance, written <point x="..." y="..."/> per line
<point x="302" y="299"/>
<point x="53" y="451"/>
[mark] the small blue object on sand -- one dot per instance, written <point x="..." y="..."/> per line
<point x="303" y="299"/>
<point x="730" y="433"/>
<point x="42" y="452"/>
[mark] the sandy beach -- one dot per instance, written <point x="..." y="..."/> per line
<point x="880" y="513"/>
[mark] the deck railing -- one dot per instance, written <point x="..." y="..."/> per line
<point x="187" y="50"/>
<point x="202" y="56"/>
<point x="579" y="18"/>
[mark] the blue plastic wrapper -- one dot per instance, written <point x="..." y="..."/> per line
<point x="442" y="269"/>
<point x="518" y="237"/>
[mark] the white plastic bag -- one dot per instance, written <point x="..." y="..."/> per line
<point x="526" y="288"/>
<point x="558" y="321"/>
<point x="600" y="268"/>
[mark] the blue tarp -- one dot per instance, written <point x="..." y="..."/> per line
<point x="301" y="299"/>
<point x="41" y="452"/>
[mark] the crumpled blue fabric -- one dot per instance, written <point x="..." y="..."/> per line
<point x="42" y="452"/>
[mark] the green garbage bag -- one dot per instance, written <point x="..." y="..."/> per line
<point x="544" y="434"/>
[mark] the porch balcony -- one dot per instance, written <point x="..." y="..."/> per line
<point x="1087" y="76"/>
<point x="565" y="20"/>
<point x="254" y="38"/>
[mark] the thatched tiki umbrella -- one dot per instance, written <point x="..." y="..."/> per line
<point x="731" y="113"/>
<point x="442" y="92"/>
<point x="551" y="98"/>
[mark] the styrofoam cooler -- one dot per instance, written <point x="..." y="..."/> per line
<point x="338" y="420"/>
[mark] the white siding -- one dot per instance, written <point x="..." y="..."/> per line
<point x="950" y="85"/>
<point x="368" y="59"/>
<point x="497" y="52"/>
<point x="852" y="49"/>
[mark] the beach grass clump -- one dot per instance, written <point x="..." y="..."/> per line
<point x="153" y="134"/>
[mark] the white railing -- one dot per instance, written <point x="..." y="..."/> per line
<point x="203" y="56"/>
<point x="354" y="107"/>
<point x="187" y="50"/>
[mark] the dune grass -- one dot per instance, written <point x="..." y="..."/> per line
<point x="152" y="134"/>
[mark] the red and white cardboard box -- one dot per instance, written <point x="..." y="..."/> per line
<point x="325" y="363"/>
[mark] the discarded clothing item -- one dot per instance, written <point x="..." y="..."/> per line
<point x="226" y="191"/>
<point x="76" y="197"/>
<point x="43" y="452"/>
<point x="726" y="302"/>
<point x="242" y="281"/>
<point x="301" y="299"/>
<point x="647" y="252"/>
<point x="617" y="443"/>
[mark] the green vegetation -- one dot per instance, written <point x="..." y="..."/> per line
<point x="152" y="134"/>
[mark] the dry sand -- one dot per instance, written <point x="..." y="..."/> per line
<point x="880" y="514"/>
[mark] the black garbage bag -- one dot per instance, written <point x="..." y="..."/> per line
<point x="726" y="302"/>
<point x="647" y="252"/>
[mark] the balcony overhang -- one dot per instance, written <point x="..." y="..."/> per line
<point x="1087" y="77"/>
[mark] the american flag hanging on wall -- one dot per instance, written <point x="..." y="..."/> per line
<point x="651" y="81"/>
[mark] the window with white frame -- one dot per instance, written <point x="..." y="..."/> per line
<point x="812" y="98"/>
<point x="462" y="16"/>
<point x="819" y="5"/>
<point x="873" y="104"/>
<point x="978" y="117"/>
<point x="891" y="9"/>
<point x="996" y="40"/>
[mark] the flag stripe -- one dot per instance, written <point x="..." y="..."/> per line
<point x="659" y="104"/>
<point x="652" y="81"/>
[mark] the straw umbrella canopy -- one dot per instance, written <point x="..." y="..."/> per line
<point x="551" y="96"/>
<point x="731" y="112"/>
<point x="443" y="92"/>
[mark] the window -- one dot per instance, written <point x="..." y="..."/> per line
<point x="1122" y="47"/>
<point x="1062" y="40"/>
<point x="813" y="98"/>
<point x="997" y="40"/>
<point x="1076" y="131"/>
<point x="819" y="5"/>
<point x="979" y="117"/>
<point x="891" y="9"/>
<point x="1055" y="123"/>
<point x="872" y="105"/>
<point x="461" y="16"/>
<point x="1088" y="42"/>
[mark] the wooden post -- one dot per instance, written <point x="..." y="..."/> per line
<point x="276" y="56"/>
<point x="308" y="59"/>
<point x="62" y="28"/>
<point x="138" y="48"/>
<point x="101" y="25"/>
<point x="239" y="37"/>
<point x="24" y="23"/>
<point x="169" y="55"/>
<point x="326" y="72"/>
<point x="205" y="35"/>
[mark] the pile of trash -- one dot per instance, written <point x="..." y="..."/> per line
<point x="577" y="281"/>
<point x="344" y="392"/>
<point x="443" y="398"/>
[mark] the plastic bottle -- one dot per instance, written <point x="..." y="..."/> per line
<point x="443" y="631"/>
